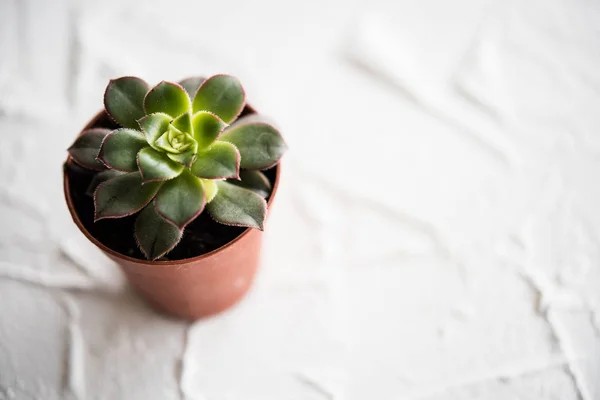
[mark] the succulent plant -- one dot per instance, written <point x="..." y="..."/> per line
<point x="178" y="152"/>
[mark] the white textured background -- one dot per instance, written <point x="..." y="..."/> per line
<point x="436" y="232"/>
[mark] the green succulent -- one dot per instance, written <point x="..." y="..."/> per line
<point x="178" y="151"/>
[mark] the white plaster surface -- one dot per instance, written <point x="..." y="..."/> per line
<point x="436" y="232"/>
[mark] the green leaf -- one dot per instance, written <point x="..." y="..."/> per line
<point x="219" y="161"/>
<point x="168" y="98"/>
<point x="192" y="84"/>
<point x="181" y="200"/>
<point x="86" y="147"/>
<point x="123" y="195"/>
<point x="155" y="236"/>
<point x="124" y="100"/>
<point x="222" y="95"/>
<point x="237" y="206"/>
<point x="154" y="125"/>
<point x="187" y="157"/>
<point x="210" y="189"/>
<point x="100" y="177"/>
<point x="255" y="181"/>
<point x="156" y="166"/>
<point x="207" y="127"/>
<point x="175" y="141"/>
<point x="163" y="143"/>
<point x="261" y="145"/>
<point x="120" y="147"/>
<point x="183" y="123"/>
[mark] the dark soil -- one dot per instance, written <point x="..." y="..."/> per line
<point x="201" y="236"/>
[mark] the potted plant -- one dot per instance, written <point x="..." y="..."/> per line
<point x="172" y="183"/>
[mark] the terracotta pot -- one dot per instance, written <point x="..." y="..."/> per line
<point x="194" y="287"/>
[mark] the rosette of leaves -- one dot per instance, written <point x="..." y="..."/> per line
<point x="180" y="150"/>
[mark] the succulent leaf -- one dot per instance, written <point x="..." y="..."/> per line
<point x="210" y="189"/>
<point x="261" y="145"/>
<point x="255" y="181"/>
<point x="219" y="161"/>
<point x="207" y="127"/>
<point x="185" y="152"/>
<point x="164" y="144"/>
<point x="184" y="158"/>
<point x="192" y="84"/>
<point x="156" y="166"/>
<point x="168" y="98"/>
<point x="187" y="158"/>
<point x="174" y="141"/>
<point x="154" y="125"/>
<point x="183" y="123"/>
<point x="120" y="147"/>
<point x="237" y="206"/>
<point x="86" y="147"/>
<point x="124" y="100"/>
<point x="181" y="200"/>
<point x="154" y="235"/>
<point x="123" y="195"/>
<point x="222" y="95"/>
<point x="100" y="177"/>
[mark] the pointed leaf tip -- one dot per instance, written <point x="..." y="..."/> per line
<point x="167" y="97"/>
<point x="207" y="127"/>
<point x="156" y="166"/>
<point x="222" y="95"/>
<point x="86" y="147"/>
<point x="119" y="149"/>
<point x="183" y="123"/>
<point x="124" y="100"/>
<point x="261" y="145"/>
<point x="255" y="181"/>
<point x="154" y="125"/>
<point x="237" y="206"/>
<point x="122" y="196"/>
<point x="155" y="236"/>
<point x="219" y="161"/>
<point x="181" y="200"/>
<point x="192" y="84"/>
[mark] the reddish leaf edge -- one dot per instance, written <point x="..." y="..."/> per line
<point x="137" y="242"/>
<point x="220" y="119"/>
<point x="101" y="158"/>
<point x="228" y="75"/>
<point x="148" y="115"/>
<point x="109" y="216"/>
<point x="144" y="181"/>
<point x="106" y="90"/>
<point x="235" y="126"/>
<point x="171" y="83"/>
<point x="186" y="165"/>
<point x="261" y="227"/>
<point x="238" y="160"/>
<point x="191" y="219"/>
<point x="82" y="164"/>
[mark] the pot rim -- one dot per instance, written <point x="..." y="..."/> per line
<point x="108" y="250"/>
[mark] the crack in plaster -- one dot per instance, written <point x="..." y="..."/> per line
<point x="49" y="280"/>
<point x="503" y="375"/>
<point x="315" y="386"/>
<point x="541" y="287"/>
<point x="595" y="321"/>
<point x="180" y="366"/>
<point x="369" y="51"/>
<point x="75" y="379"/>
